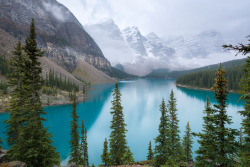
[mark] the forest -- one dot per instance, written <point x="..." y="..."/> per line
<point x="205" y="79"/>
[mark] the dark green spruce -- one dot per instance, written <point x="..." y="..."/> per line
<point x="162" y="140"/>
<point x="84" y="160"/>
<point x="187" y="144"/>
<point x="175" y="149"/>
<point x="105" y="154"/>
<point x="225" y="136"/>
<point x="150" y="155"/>
<point x="206" y="153"/>
<point x="33" y="143"/>
<point x="118" y="142"/>
<point x="75" y="155"/>
<point x="245" y="92"/>
<point x="16" y="82"/>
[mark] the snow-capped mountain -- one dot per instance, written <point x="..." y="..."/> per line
<point x="139" y="54"/>
<point x="198" y="45"/>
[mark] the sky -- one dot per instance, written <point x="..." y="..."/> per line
<point x="169" y="18"/>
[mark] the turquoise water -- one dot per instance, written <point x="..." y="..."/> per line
<point x="141" y="99"/>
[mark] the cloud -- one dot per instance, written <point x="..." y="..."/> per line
<point x="169" y="17"/>
<point x="56" y="11"/>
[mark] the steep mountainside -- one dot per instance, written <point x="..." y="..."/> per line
<point x="59" y="33"/>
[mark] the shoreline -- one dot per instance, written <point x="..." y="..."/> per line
<point x="197" y="88"/>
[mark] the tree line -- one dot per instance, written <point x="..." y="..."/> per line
<point x="205" y="79"/>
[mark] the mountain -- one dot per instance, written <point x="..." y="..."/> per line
<point x="140" y="54"/>
<point x="137" y="54"/>
<point x="59" y="33"/>
<point x="197" y="45"/>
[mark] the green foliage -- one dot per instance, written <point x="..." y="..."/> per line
<point x="162" y="141"/>
<point x="84" y="159"/>
<point x="205" y="79"/>
<point x="206" y="153"/>
<point x="225" y="136"/>
<point x="187" y="144"/>
<point x="105" y="154"/>
<point x="128" y="157"/>
<point x="117" y="139"/>
<point x="75" y="155"/>
<point x="4" y="66"/>
<point x="60" y="82"/>
<point x="29" y="139"/>
<point x="3" y="87"/>
<point x="245" y="92"/>
<point x="150" y="155"/>
<point x="175" y="149"/>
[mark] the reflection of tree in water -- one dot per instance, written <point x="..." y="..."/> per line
<point x="202" y="95"/>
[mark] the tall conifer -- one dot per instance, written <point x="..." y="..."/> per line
<point x="150" y="155"/>
<point x="105" y="154"/>
<point x="16" y="83"/>
<point x="207" y="151"/>
<point x="118" y="142"/>
<point x="187" y="144"/>
<point x="225" y="136"/>
<point x="175" y="149"/>
<point x="33" y="143"/>
<point x="75" y="155"/>
<point x="162" y="140"/>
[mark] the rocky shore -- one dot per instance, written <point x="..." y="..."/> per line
<point x="191" y="87"/>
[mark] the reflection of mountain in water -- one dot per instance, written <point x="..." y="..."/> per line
<point x="202" y="94"/>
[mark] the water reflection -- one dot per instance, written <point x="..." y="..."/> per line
<point x="141" y="99"/>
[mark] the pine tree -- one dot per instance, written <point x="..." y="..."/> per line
<point x="150" y="155"/>
<point x="162" y="140"/>
<point x="16" y="81"/>
<point x="175" y="149"/>
<point x="245" y="92"/>
<point x="105" y="154"/>
<point x="84" y="159"/>
<point x="225" y="136"/>
<point x="117" y="139"/>
<point x="74" y="142"/>
<point x="206" y="153"/>
<point x="187" y="144"/>
<point x="86" y="155"/>
<point x="128" y="157"/>
<point x="33" y="143"/>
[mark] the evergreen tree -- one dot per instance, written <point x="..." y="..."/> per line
<point x="105" y="154"/>
<point x="74" y="142"/>
<point x="84" y="159"/>
<point x="245" y="92"/>
<point x="175" y="149"/>
<point x="187" y="144"/>
<point x="117" y="139"/>
<point x="206" y="153"/>
<point x="86" y="155"/>
<point x="150" y="155"/>
<point x="33" y="143"/>
<point x="162" y="140"/>
<point x="17" y="101"/>
<point x="128" y="157"/>
<point x="225" y="136"/>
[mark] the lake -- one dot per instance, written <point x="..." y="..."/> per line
<point x="141" y="99"/>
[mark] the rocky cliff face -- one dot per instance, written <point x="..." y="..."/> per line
<point x="59" y="33"/>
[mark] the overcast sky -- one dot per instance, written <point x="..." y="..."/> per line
<point x="168" y="17"/>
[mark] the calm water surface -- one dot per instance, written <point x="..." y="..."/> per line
<point x="141" y="99"/>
